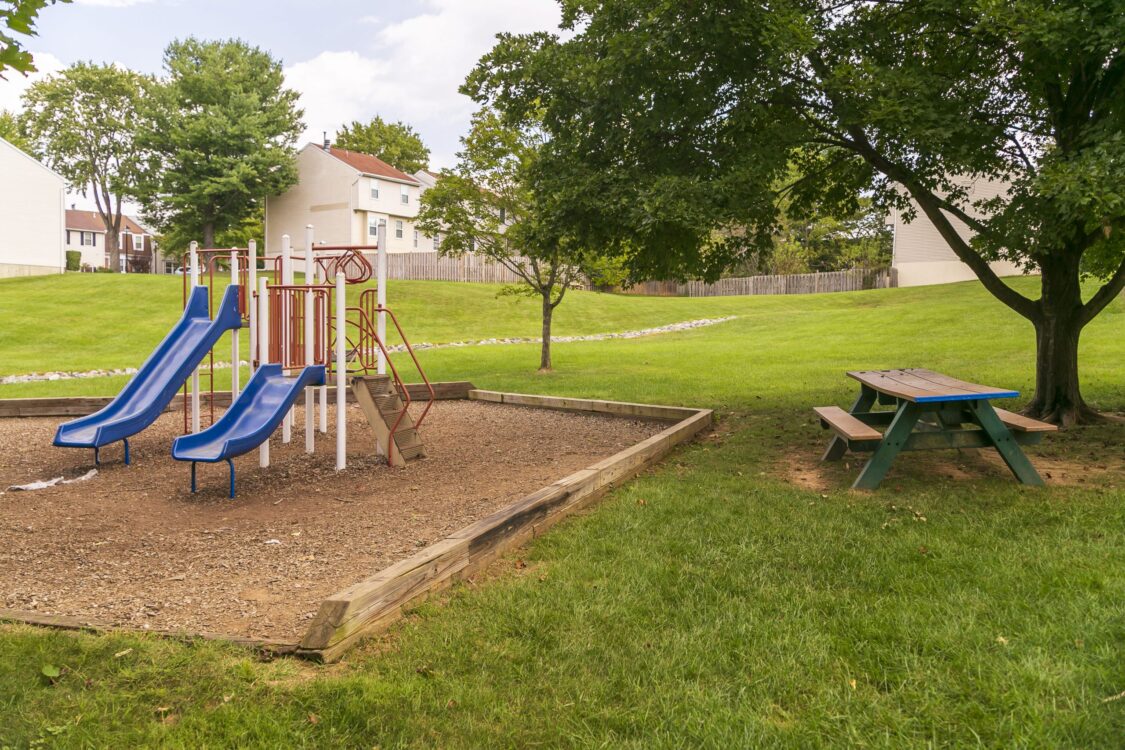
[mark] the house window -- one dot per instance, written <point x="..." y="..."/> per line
<point x="437" y="241"/>
<point x="169" y="266"/>
<point x="398" y="230"/>
<point x="415" y="238"/>
<point x="375" y="189"/>
<point x="503" y="215"/>
<point x="372" y="226"/>
<point x="87" y="239"/>
<point x="404" y="193"/>
<point x="138" y="243"/>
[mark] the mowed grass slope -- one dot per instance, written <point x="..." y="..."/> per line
<point x="738" y="596"/>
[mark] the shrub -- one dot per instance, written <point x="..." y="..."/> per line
<point x="73" y="260"/>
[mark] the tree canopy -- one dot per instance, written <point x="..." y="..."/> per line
<point x="82" y="122"/>
<point x="221" y="130"/>
<point x="11" y="132"/>
<point x="394" y="142"/>
<point x="19" y="17"/>
<point x="670" y="121"/>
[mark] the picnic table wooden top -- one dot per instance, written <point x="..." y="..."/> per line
<point x="926" y="386"/>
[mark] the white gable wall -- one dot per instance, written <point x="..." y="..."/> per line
<point x="921" y="256"/>
<point x="32" y="224"/>
<point x="323" y="197"/>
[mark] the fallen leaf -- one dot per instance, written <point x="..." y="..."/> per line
<point x="314" y="719"/>
<point x="852" y="683"/>
<point x="119" y="654"/>
<point x="1002" y="640"/>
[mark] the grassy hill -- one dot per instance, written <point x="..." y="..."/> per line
<point x="739" y="596"/>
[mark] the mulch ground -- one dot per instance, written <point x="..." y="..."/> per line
<point x="132" y="546"/>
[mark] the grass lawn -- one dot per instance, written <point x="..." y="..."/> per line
<point x="738" y="596"/>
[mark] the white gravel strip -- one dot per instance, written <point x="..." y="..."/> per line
<point x="686" y="325"/>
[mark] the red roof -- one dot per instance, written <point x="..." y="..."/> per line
<point x="368" y="164"/>
<point x="90" y="221"/>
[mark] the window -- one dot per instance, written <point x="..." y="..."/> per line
<point x="437" y="241"/>
<point x="372" y="225"/>
<point x="87" y="238"/>
<point x="404" y="193"/>
<point x="398" y="230"/>
<point x="138" y="243"/>
<point x="169" y="266"/>
<point x="503" y="215"/>
<point x="415" y="238"/>
<point x="375" y="189"/>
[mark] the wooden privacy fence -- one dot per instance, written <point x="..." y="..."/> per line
<point x="431" y="266"/>
<point x="851" y="280"/>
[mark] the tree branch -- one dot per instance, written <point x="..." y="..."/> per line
<point x="1104" y="296"/>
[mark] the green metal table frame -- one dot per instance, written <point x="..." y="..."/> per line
<point x="933" y="425"/>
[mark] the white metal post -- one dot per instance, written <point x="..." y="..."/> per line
<point x="381" y="294"/>
<point x="235" y="354"/>
<point x="341" y="376"/>
<point x="264" y="354"/>
<point x="310" y="393"/>
<point x="251" y="308"/>
<point x="193" y="261"/>
<point x="285" y="320"/>
<point x="321" y="279"/>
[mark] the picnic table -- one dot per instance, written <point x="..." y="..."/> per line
<point x="931" y="411"/>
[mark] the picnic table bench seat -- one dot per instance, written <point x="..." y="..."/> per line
<point x="932" y="411"/>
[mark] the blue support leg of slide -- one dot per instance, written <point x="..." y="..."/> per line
<point x="231" y="464"/>
<point x="193" y="476"/>
<point x="96" y="462"/>
<point x="126" y="441"/>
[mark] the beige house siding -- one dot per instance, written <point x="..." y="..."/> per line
<point x="921" y="256"/>
<point x="31" y="214"/>
<point x="338" y="201"/>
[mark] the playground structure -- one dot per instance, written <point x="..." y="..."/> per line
<point x="300" y="337"/>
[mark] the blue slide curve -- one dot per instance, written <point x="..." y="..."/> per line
<point x="249" y="421"/>
<point x="150" y="391"/>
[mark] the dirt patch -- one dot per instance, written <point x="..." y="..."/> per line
<point x="1080" y="456"/>
<point x="134" y="547"/>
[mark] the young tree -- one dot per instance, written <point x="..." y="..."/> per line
<point x="691" y="130"/>
<point x="487" y="206"/>
<point x="394" y="142"/>
<point x="221" y="128"/>
<point x="10" y="131"/>
<point x="83" y="122"/>
<point x="18" y="17"/>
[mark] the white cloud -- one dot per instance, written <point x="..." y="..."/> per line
<point x="12" y="88"/>
<point x="414" y="69"/>
<point x="112" y="3"/>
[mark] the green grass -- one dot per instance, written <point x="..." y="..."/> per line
<point x="712" y="602"/>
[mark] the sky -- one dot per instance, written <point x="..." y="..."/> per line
<point x="349" y="59"/>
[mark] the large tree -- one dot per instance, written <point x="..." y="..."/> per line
<point x="221" y="128"/>
<point x="19" y="17"/>
<point x="82" y="122"/>
<point x="669" y="120"/>
<point x="394" y="142"/>
<point x="11" y="132"/>
<point x="487" y="206"/>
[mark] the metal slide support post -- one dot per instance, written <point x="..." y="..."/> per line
<point x="341" y="376"/>
<point x="234" y="352"/>
<point x="193" y="261"/>
<point x="310" y="392"/>
<point x="381" y="294"/>
<point x="251" y="308"/>
<point x="264" y="354"/>
<point x="285" y="320"/>
<point x="321" y="278"/>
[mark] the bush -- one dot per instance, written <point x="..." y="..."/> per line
<point x="73" y="260"/>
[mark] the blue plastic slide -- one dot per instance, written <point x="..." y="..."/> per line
<point x="150" y="391"/>
<point x="249" y="421"/>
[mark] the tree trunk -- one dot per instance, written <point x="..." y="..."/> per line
<point x="1058" y="326"/>
<point x="113" y="249"/>
<point x="209" y="235"/>
<point x="545" y="348"/>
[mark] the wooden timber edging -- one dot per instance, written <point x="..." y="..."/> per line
<point x="67" y="622"/>
<point x="80" y="406"/>
<point x="368" y="607"/>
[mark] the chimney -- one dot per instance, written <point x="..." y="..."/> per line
<point x="327" y="143"/>
<point x="73" y="206"/>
